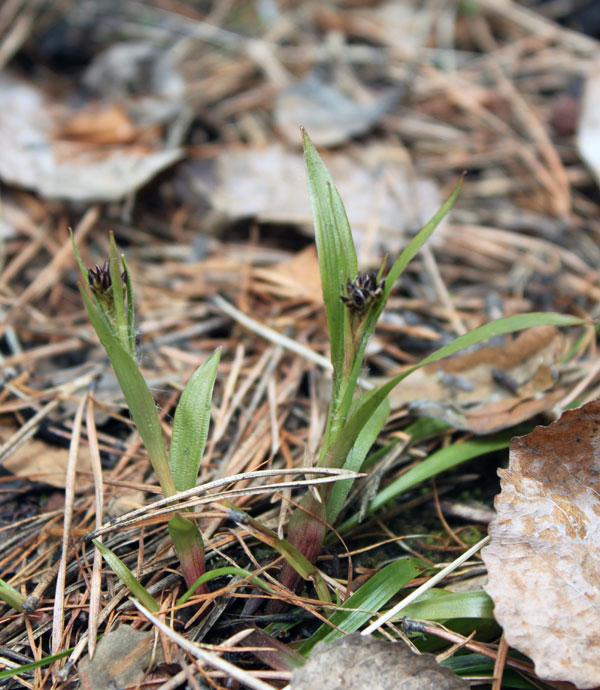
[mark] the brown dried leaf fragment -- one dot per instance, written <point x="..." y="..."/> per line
<point x="122" y="658"/>
<point x="544" y="556"/>
<point x="356" y="662"/>
<point x="491" y="388"/>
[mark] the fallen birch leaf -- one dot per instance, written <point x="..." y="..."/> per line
<point x="356" y="662"/>
<point x="491" y="388"/>
<point x="544" y="557"/>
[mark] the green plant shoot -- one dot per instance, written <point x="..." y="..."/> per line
<point x="353" y="303"/>
<point x="105" y="291"/>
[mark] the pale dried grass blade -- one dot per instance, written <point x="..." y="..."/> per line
<point x="178" y="501"/>
<point x="58" y="621"/>
<point x="96" y="578"/>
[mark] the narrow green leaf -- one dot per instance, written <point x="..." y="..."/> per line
<point x="395" y="272"/>
<point x="130" y="307"/>
<point x="372" y="399"/>
<point x="40" y="663"/>
<point x="190" y="425"/>
<point x="127" y="577"/>
<point x="355" y="459"/>
<point x="137" y="395"/>
<point x="293" y="556"/>
<point x="335" y="247"/>
<point x="11" y="596"/>
<point x="440" y="461"/>
<point x="117" y="289"/>
<point x="417" y="242"/>
<point x="82" y="266"/>
<point x="369" y="598"/>
<point x="219" y="572"/>
<point x="439" y="605"/>
<point x="482" y="666"/>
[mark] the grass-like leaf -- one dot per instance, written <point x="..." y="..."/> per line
<point x="372" y="399"/>
<point x="408" y="253"/>
<point x="137" y="395"/>
<point x="127" y="577"/>
<point x="220" y="572"/>
<point x="40" y="663"/>
<point x="335" y="247"/>
<point x="438" y="462"/>
<point x="293" y="556"/>
<point x="394" y="273"/>
<point x="130" y="306"/>
<point x="11" y="595"/>
<point x="439" y="605"/>
<point x="190" y="425"/>
<point x="355" y="459"/>
<point x="117" y="291"/>
<point x="369" y="598"/>
<point x="482" y="666"/>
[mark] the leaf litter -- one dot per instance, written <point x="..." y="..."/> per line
<point x="544" y="557"/>
<point x="524" y="231"/>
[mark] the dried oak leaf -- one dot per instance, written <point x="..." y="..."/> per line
<point x="544" y="557"/>
<point x="356" y="662"/>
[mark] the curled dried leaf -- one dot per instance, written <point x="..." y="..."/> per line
<point x="544" y="556"/>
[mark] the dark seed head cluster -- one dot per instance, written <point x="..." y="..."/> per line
<point x="100" y="280"/>
<point x="362" y="292"/>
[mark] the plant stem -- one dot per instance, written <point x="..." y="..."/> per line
<point x="189" y="547"/>
<point x="306" y="532"/>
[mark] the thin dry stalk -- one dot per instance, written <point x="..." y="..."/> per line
<point x="58" y="618"/>
<point x="96" y="577"/>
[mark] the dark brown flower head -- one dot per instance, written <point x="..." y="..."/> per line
<point x="100" y="280"/>
<point x="362" y="292"/>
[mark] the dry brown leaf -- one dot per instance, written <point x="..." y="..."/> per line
<point x="100" y="126"/>
<point x="356" y="662"/>
<point x="330" y="115"/>
<point x="41" y="462"/>
<point x="544" y="557"/>
<point x="383" y="198"/>
<point x="122" y="658"/>
<point x="34" y="156"/>
<point x="490" y="388"/>
<point x="297" y="278"/>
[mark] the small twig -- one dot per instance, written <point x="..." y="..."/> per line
<point x="500" y="663"/>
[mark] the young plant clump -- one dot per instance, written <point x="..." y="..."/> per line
<point x="353" y="303"/>
<point x="356" y="416"/>
<point x="106" y="291"/>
